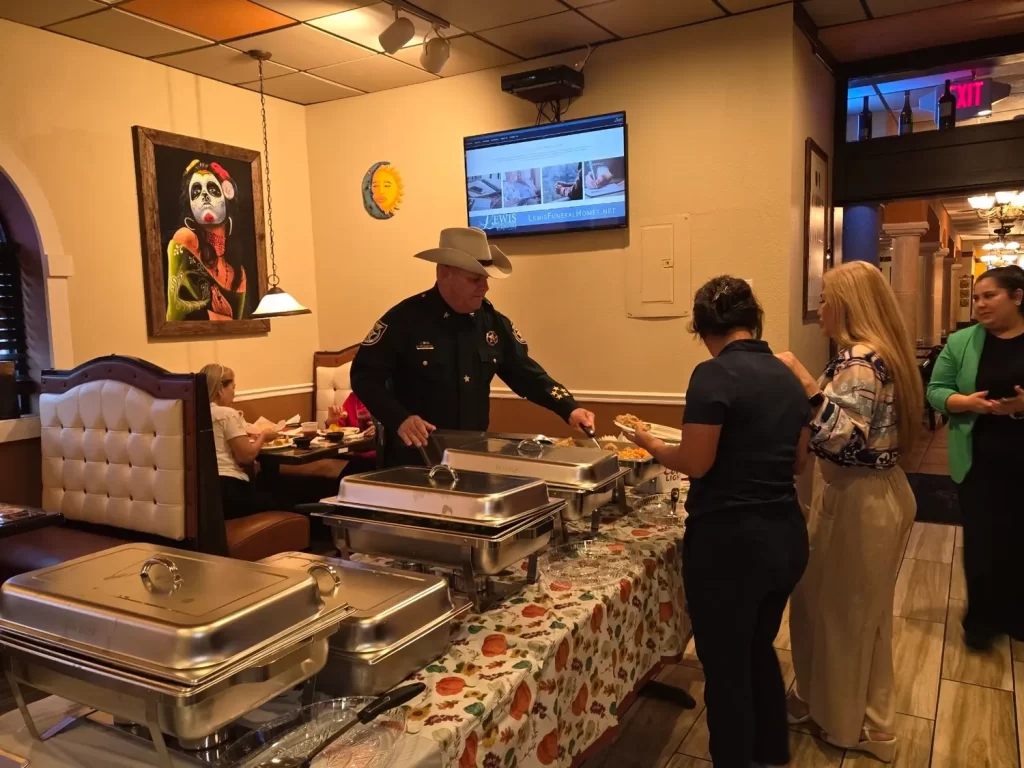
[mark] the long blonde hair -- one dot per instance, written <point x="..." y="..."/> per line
<point x="867" y="314"/>
<point x="215" y="374"/>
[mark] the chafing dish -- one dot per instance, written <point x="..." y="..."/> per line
<point x="400" y="623"/>
<point x="586" y="478"/>
<point x="640" y="470"/>
<point x="183" y="642"/>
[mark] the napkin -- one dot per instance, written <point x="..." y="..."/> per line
<point x="262" y="424"/>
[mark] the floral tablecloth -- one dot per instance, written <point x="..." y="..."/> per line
<point x="539" y="678"/>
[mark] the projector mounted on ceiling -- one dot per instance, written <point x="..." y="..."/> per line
<point x="544" y="86"/>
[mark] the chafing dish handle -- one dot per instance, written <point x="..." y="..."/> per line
<point x="330" y="570"/>
<point x="533" y="444"/>
<point x="166" y="562"/>
<point x="444" y="468"/>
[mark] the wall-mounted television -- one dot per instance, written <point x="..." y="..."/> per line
<point x="562" y="177"/>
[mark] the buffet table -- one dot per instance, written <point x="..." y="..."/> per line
<point x="539" y="679"/>
<point x="536" y="681"/>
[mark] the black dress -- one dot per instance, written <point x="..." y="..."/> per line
<point x="991" y="502"/>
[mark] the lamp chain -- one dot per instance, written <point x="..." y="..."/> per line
<point x="273" y="280"/>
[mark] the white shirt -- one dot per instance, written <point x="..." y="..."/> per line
<point x="227" y="425"/>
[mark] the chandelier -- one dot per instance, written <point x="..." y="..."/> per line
<point x="1002" y="251"/>
<point x="1004" y="207"/>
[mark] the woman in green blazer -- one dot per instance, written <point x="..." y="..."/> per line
<point x="977" y="381"/>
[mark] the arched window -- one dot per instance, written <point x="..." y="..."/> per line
<point x="16" y="387"/>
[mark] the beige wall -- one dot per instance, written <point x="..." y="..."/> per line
<point x="712" y="133"/>
<point x="813" y="107"/>
<point x="68" y="110"/>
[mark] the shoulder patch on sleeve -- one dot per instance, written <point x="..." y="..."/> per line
<point x="517" y="334"/>
<point x="376" y="334"/>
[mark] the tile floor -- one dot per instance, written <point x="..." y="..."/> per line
<point x="957" y="709"/>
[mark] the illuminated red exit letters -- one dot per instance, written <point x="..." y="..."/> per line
<point x="968" y="95"/>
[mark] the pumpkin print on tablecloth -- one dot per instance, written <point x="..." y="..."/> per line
<point x="596" y="618"/>
<point x="547" y="750"/>
<point x="579" y="704"/>
<point x="533" y="611"/>
<point x="495" y="645"/>
<point x="450" y="686"/>
<point x="625" y="589"/>
<point x="521" y="701"/>
<point x="468" y="759"/>
<point x="562" y="655"/>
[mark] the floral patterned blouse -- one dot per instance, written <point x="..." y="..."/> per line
<point x="857" y="424"/>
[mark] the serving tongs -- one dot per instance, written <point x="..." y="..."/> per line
<point x="589" y="432"/>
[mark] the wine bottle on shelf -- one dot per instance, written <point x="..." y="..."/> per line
<point x="947" y="109"/>
<point x="864" y="122"/>
<point x="906" y="116"/>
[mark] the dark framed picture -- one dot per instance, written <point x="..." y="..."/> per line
<point x="816" y="227"/>
<point x="201" y="220"/>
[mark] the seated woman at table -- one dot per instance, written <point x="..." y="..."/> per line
<point x="242" y="493"/>
<point x="744" y="438"/>
<point x="352" y="413"/>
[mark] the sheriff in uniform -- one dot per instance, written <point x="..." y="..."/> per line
<point x="428" y="362"/>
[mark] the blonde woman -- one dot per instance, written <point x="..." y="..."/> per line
<point x="867" y="409"/>
<point x="236" y="449"/>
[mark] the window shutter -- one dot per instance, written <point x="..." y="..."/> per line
<point x="12" y="319"/>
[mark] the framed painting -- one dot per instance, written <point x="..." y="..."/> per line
<point x="816" y="227"/>
<point x="202" y="227"/>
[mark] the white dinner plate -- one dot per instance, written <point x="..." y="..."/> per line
<point x="660" y="431"/>
<point x="287" y="446"/>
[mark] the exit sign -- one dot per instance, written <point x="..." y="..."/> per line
<point x="971" y="95"/>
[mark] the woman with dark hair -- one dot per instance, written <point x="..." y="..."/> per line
<point x="978" y="382"/>
<point x="744" y="439"/>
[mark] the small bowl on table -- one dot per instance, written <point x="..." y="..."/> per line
<point x="302" y="442"/>
<point x="334" y="436"/>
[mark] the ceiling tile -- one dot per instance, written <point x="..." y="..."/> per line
<point x="377" y="73"/>
<point x="304" y="10"/>
<point x="474" y="15"/>
<point x="892" y="7"/>
<point x="39" y="13"/>
<point x="222" y="63"/>
<point x="827" y="13"/>
<point x="364" y="25"/>
<point x="467" y="55"/>
<point x="638" y="17"/>
<point x="550" y="34"/>
<point x="302" y="47"/>
<point x="303" y="88"/>
<point x="130" y="34"/>
<point x="742" y="6"/>
<point x="220" y="20"/>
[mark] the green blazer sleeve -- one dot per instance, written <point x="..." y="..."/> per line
<point x="943" y="380"/>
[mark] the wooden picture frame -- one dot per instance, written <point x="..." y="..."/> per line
<point x="817" y="228"/>
<point x="220" y="268"/>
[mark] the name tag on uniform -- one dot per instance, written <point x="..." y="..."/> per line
<point x="424" y="345"/>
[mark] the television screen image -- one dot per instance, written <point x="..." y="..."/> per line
<point x="521" y="188"/>
<point x="483" y="192"/>
<point x="560" y="177"/>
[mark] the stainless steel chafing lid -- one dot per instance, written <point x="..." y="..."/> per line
<point x="557" y="466"/>
<point x="388" y="604"/>
<point x="158" y="606"/>
<point x="477" y="497"/>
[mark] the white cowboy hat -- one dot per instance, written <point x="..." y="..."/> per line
<point x="467" y="248"/>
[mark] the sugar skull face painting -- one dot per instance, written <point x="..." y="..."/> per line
<point x="203" y="237"/>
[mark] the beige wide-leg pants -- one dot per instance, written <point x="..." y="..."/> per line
<point x="841" y="612"/>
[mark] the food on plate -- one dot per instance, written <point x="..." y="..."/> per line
<point x="335" y="428"/>
<point x="278" y="442"/>
<point x="634" y="454"/>
<point x="630" y="421"/>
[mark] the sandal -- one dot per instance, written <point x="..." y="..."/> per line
<point x="881" y="749"/>
<point x="797" y="710"/>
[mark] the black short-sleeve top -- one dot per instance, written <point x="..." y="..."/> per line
<point x="762" y="409"/>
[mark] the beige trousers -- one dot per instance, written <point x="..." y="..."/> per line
<point x="841" y="612"/>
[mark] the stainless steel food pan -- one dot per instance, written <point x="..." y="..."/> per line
<point x="640" y="470"/>
<point x="585" y="468"/>
<point x="388" y="605"/>
<point x="480" y="498"/>
<point x="161" y="612"/>
<point x="418" y="542"/>
<point x="579" y="503"/>
<point x="368" y="674"/>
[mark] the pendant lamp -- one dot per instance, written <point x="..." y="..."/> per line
<point x="276" y="302"/>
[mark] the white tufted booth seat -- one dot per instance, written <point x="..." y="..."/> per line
<point x="333" y="386"/>
<point x="114" y="455"/>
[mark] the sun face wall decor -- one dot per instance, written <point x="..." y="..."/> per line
<point x="382" y="190"/>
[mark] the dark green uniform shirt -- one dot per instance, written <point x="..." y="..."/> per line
<point x="424" y="359"/>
